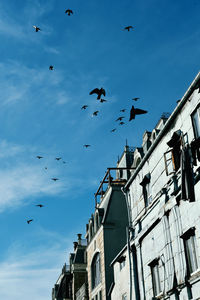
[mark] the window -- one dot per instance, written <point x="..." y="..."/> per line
<point x="96" y="271"/>
<point x="155" y="277"/>
<point x="190" y="250"/>
<point x="100" y="295"/>
<point x="172" y="157"/>
<point x="147" y="193"/>
<point x="196" y="122"/>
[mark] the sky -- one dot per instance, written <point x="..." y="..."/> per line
<point x="40" y="114"/>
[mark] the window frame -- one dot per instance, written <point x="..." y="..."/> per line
<point x="155" y="276"/>
<point x="96" y="270"/>
<point x="190" y="247"/>
<point x="194" y="123"/>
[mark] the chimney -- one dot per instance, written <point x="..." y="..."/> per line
<point x="79" y="238"/>
<point x="75" y="245"/>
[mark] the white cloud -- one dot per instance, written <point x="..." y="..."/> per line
<point x="32" y="274"/>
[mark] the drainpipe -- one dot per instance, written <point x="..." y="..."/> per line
<point x="128" y="243"/>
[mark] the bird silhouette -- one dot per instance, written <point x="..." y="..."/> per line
<point x="103" y="100"/>
<point x="119" y="119"/>
<point x="95" y="113"/>
<point x="45" y="168"/>
<point x="86" y="146"/>
<point x="128" y="28"/>
<point x="84" y="106"/>
<point x="39" y="157"/>
<point x="121" y="123"/>
<point x="29" y="221"/>
<point x="136" y="111"/>
<point x="136" y="98"/>
<point x="36" y="28"/>
<point x="69" y="12"/>
<point x="58" y="158"/>
<point x="40" y="205"/>
<point x="99" y="92"/>
<point x="123" y="110"/>
<point x="113" y="130"/>
<point x="64" y="162"/>
<point x="51" y="67"/>
<point x="54" y="179"/>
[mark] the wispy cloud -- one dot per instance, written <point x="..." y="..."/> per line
<point x="33" y="272"/>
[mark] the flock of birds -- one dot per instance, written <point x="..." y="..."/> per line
<point x="99" y="92"/>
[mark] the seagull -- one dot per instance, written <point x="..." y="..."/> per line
<point x="58" y="158"/>
<point x="39" y="157"/>
<point x="54" y="179"/>
<point x="136" y="98"/>
<point x="51" y="67"/>
<point x="136" y="111"/>
<point x="84" y="106"/>
<point x="69" y="12"/>
<point x="29" y="221"/>
<point x="40" y="205"/>
<point x="113" y="130"/>
<point x="123" y="110"/>
<point x="99" y="92"/>
<point x="86" y="146"/>
<point x="121" y="123"/>
<point x="128" y="28"/>
<point x="103" y="100"/>
<point x="95" y="113"/>
<point x="36" y="28"/>
<point x="119" y="119"/>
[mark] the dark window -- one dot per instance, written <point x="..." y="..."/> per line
<point x="190" y="250"/>
<point x="96" y="271"/>
<point x="146" y="186"/>
<point x="155" y="277"/>
<point x="172" y="157"/>
<point x="196" y="122"/>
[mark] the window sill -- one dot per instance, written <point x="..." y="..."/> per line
<point x="195" y="275"/>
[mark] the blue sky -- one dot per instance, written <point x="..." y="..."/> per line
<point x="40" y="114"/>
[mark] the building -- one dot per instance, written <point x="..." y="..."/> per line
<point x="72" y="283"/>
<point x="161" y="259"/>
<point x="106" y="229"/>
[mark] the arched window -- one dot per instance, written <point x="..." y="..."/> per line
<point x="96" y="270"/>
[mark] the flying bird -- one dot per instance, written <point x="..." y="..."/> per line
<point x="123" y="110"/>
<point x="51" y="67"/>
<point x="86" y="146"/>
<point x="54" y="179"/>
<point x="45" y="168"/>
<point x="136" y="98"/>
<point x="39" y="157"/>
<point x="128" y="28"/>
<point x="113" y="130"/>
<point x="40" y="205"/>
<point x="99" y="92"/>
<point x="69" y="12"/>
<point x="121" y="123"/>
<point x="95" y="113"/>
<point x="58" y="158"/>
<point x="119" y="119"/>
<point x="136" y="111"/>
<point x="84" y="106"/>
<point x="64" y="162"/>
<point x="103" y="100"/>
<point x="36" y="28"/>
<point x="29" y="221"/>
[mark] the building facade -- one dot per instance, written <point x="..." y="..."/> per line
<point x="162" y="255"/>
